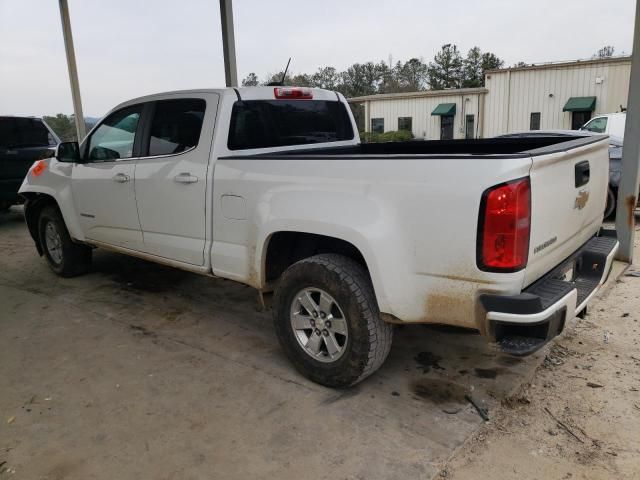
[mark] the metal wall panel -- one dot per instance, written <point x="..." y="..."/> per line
<point x="425" y="125"/>
<point x="515" y="94"/>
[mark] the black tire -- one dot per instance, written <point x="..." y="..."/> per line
<point x="5" y="206"/>
<point x="74" y="258"/>
<point x="369" y="338"/>
<point x="611" y="203"/>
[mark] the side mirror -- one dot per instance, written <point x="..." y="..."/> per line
<point x="68" y="152"/>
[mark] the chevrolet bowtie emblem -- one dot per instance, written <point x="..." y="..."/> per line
<point x="581" y="200"/>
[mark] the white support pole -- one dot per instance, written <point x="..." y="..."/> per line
<point x="630" y="176"/>
<point x="73" y="71"/>
<point x="228" y="43"/>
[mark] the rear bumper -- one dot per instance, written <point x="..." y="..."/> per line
<point x="523" y="323"/>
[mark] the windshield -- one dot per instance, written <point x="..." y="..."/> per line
<point x="279" y="123"/>
<point x="597" y="125"/>
<point x="18" y="132"/>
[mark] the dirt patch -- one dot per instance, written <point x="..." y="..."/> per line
<point x="509" y="361"/>
<point x="486" y="372"/>
<point x="427" y="361"/>
<point x="439" y="391"/>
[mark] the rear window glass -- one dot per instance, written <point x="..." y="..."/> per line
<point x="23" y="132"/>
<point x="280" y="123"/>
<point x="176" y="126"/>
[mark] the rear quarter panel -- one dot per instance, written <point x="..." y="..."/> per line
<point x="413" y="220"/>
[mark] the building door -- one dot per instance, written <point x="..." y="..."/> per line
<point x="578" y="119"/>
<point x="446" y="127"/>
<point x="469" y="130"/>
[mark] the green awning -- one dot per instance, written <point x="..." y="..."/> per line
<point x="580" y="104"/>
<point x="445" y="109"/>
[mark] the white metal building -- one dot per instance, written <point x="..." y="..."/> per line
<point x="431" y="114"/>
<point x="548" y="96"/>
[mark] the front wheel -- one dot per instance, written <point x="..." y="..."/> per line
<point x="65" y="257"/>
<point x="327" y="321"/>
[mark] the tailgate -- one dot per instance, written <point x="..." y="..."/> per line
<point x="568" y="198"/>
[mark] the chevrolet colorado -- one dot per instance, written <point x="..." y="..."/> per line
<point x="270" y="186"/>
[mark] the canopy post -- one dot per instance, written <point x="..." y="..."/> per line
<point x="629" y="178"/>
<point x="228" y="43"/>
<point x="73" y="71"/>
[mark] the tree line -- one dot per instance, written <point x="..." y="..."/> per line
<point x="448" y="69"/>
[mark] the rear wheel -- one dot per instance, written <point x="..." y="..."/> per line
<point x="611" y="203"/>
<point x="327" y="320"/>
<point x="65" y="257"/>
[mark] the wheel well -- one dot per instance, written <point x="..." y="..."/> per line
<point x="33" y="205"/>
<point x="286" y="248"/>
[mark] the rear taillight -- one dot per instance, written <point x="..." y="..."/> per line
<point x="504" y="227"/>
<point x="293" y="93"/>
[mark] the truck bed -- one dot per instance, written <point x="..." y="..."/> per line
<point x="503" y="147"/>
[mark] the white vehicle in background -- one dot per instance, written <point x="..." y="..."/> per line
<point x="271" y="187"/>
<point x="611" y="124"/>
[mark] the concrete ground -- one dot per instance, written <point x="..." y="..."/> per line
<point x="140" y="371"/>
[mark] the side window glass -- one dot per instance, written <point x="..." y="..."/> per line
<point x="114" y="138"/>
<point x="176" y="126"/>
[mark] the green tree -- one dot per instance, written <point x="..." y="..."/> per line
<point x="277" y="78"/>
<point x="360" y="79"/>
<point x="473" y="72"/>
<point x="446" y="70"/>
<point x="490" y="61"/>
<point x="251" y="80"/>
<point x="301" y="80"/>
<point x="388" y="80"/>
<point x="605" y="52"/>
<point x="411" y="76"/>
<point x="63" y="125"/>
<point x="326" y="77"/>
<point x="475" y="66"/>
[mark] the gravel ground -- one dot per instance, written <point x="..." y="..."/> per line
<point x="579" y="417"/>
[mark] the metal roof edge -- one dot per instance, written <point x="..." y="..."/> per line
<point x="569" y="63"/>
<point x="425" y="93"/>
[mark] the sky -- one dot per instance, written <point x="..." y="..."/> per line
<point x="129" y="48"/>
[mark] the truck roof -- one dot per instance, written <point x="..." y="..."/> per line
<point x="245" y="93"/>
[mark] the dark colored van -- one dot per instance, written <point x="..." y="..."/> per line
<point x="23" y="140"/>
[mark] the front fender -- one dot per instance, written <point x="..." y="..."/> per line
<point x="54" y="180"/>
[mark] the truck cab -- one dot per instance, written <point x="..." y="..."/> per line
<point x="611" y="124"/>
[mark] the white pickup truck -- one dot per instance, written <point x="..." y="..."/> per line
<point x="271" y="187"/>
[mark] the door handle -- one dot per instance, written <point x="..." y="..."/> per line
<point x="120" y="178"/>
<point x="185" y="177"/>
